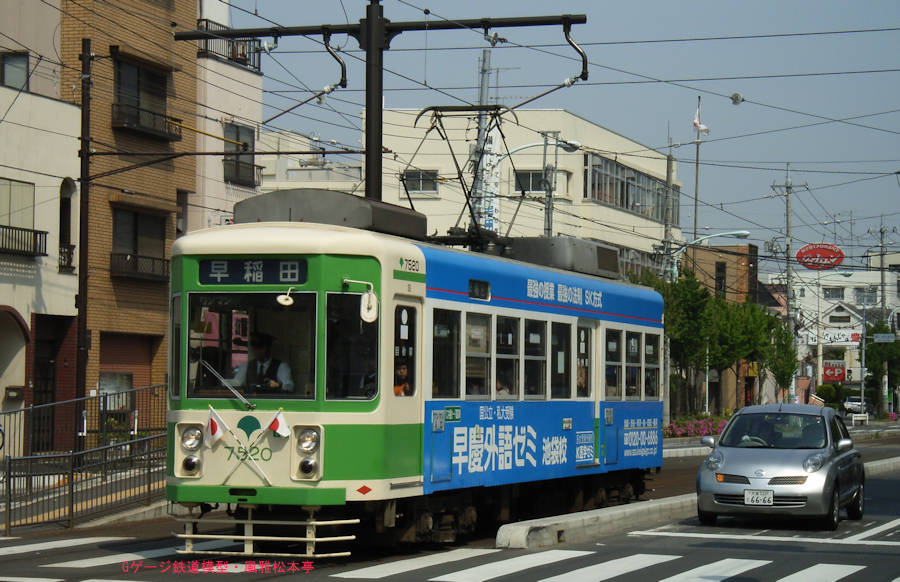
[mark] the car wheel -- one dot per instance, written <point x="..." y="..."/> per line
<point x="706" y="517"/>
<point x="856" y="507"/>
<point x="831" y="519"/>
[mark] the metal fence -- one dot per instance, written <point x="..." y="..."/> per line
<point x="83" y="423"/>
<point x="66" y="460"/>
<point x="66" y="487"/>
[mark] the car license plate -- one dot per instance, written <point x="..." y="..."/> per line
<point x="758" y="497"/>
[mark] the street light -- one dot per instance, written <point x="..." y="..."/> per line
<point x="569" y="146"/>
<point x="677" y="256"/>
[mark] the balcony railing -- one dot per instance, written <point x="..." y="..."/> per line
<point x="66" y="258"/>
<point x="242" y="173"/>
<point x="138" y="267"/>
<point x="15" y="240"/>
<point x="146" y="121"/>
<point x="242" y="51"/>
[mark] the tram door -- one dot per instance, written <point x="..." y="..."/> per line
<point x="406" y="397"/>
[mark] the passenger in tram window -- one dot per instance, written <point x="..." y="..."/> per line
<point x="402" y="386"/>
<point x="368" y="383"/>
<point x="263" y="373"/>
<point x="503" y="388"/>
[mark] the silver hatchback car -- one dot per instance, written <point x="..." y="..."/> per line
<point x="782" y="460"/>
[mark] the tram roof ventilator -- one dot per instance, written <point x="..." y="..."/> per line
<point x="331" y="207"/>
<point x="342" y="209"/>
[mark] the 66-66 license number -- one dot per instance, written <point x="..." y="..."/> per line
<point x="759" y="497"/>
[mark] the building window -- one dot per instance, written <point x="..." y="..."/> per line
<point x="866" y="295"/>
<point x="14" y="72"/>
<point x="530" y="181"/>
<point x="240" y="168"/>
<point x="16" y="204"/>
<point x="139" y="245"/>
<point x="833" y="293"/>
<point x="839" y="319"/>
<point x="720" y="278"/>
<point x="141" y="102"/>
<point x="612" y="183"/>
<point x="420" y="180"/>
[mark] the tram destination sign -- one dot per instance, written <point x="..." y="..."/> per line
<point x="252" y="271"/>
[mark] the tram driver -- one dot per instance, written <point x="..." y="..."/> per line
<point x="263" y="373"/>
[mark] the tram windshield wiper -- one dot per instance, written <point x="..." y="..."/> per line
<point x="224" y="382"/>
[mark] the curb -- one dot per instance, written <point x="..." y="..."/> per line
<point x="587" y="525"/>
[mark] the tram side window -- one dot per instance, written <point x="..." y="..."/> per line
<point x="478" y="355"/>
<point x="561" y="360"/>
<point x="613" y="364"/>
<point x="445" y="354"/>
<point x="583" y="376"/>
<point x="352" y="350"/>
<point x="508" y="357"/>
<point x="175" y="347"/>
<point x="632" y="365"/>
<point x="651" y="367"/>
<point x="535" y="358"/>
<point x="404" y="350"/>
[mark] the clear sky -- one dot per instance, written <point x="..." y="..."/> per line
<point x="820" y="82"/>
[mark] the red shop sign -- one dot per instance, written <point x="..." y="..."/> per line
<point x="834" y="371"/>
<point x="820" y="256"/>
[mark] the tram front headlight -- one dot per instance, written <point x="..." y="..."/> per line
<point x="192" y="438"/>
<point x="308" y="441"/>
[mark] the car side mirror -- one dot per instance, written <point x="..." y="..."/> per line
<point x="708" y="441"/>
<point x="844" y="445"/>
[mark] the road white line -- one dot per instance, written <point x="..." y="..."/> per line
<point x="612" y="568"/>
<point x="745" y="538"/>
<point x="509" y="566"/>
<point x="402" y="566"/>
<point x="29" y="579"/>
<point x="135" y="556"/>
<point x="67" y="543"/>
<point x="874" y="531"/>
<point x="823" y="573"/>
<point x="717" y="570"/>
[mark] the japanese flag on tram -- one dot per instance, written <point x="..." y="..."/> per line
<point x="215" y="427"/>
<point x="279" y="425"/>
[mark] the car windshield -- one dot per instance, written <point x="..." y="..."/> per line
<point x="776" y="430"/>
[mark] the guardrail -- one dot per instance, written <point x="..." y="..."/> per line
<point x="67" y="487"/>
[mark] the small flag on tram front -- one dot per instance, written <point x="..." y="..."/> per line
<point x="279" y="425"/>
<point x="215" y="427"/>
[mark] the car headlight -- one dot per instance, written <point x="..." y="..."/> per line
<point x="308" y="441"/>
<point x="192" y="438"/>
<point x="714" y="460"/>
<point x="814" y="462"/>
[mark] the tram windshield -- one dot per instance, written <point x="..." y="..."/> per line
<point x="253" y="344"/>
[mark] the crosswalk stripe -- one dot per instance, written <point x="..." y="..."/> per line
<point x="874" y="531"/>
<point x="43" y="546"/>
<point x="823" y="573"/>
<point x="401" y="566"/>
<point x="612" y="568"/>
<point x="509" y="566"/>
<point x="717" y="570"/>
<point x="135" y="556"/>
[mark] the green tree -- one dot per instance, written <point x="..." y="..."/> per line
<point x="881" y="358"/>
<point x="781" y="355"/>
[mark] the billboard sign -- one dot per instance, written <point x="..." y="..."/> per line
<point x="833" y="371"/>
<point x="820" y="256"/>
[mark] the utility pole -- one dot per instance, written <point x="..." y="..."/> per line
<point x="789" y="293"/>
<point x="374" y="34"/>
<point x="667" y="218"/>
<point x="81" y="300"/>
<point x="549" y="174"/>
<point x="477" y="157"/>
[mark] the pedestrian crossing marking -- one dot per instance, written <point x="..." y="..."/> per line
<point x="855" y="540"/>
<point x="408" y="565"/>
<point x="65" y="543"/>
<point x="612" y="568"/>
<point x="717" y="570"/>
<point x="509" y="566"/>
<point x="823" y="573"/>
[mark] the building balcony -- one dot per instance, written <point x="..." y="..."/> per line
<point x="242" y="173"/>
<point x="138" y="267"/>
<point x="66" y="258"/>
<point x="145" y="121"/>
<point x="240" y="51"/>
<point x="27" y="242"/>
